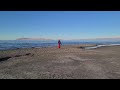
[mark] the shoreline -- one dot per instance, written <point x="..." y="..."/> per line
<point x="45" y="46"/>
<point x="50" y="46"/>
<point x="82" y="46"/>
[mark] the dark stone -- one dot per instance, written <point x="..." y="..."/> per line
<point x="82" y="47"/>
<point x="18" y="55"/>
<point x="4" y="59"/>
<point x="28" y="54"/>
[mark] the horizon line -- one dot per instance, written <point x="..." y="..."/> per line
<point x="114" y="37"/>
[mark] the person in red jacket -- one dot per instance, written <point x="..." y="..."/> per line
<point x="59" y="43"/>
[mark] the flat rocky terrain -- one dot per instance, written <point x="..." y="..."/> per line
<point x="68" y="62"/>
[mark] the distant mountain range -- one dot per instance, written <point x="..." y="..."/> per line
<point x="96" y="39"/>
<point x="33" y="39"/>
<point x="89" y="39"/>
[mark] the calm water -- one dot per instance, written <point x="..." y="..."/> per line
<point x="14" y="44"/>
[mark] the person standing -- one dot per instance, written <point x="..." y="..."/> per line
<point x="59" y="43"/>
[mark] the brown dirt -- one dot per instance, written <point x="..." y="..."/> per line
<point x="69" y="62"/>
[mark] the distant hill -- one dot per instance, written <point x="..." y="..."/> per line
<point x="33" y="39"/>
<point x="98" y="39"/>
<point x="89" y="39"/>
<point x="108" y="39"/>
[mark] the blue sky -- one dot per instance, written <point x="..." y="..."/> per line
<point x="59" y="24"/>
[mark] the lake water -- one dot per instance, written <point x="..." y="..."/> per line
<point x="14" y="44"/>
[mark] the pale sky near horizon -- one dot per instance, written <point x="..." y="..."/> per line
<point x="59" y="24"/>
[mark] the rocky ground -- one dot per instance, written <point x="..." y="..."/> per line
<point x="68" y="62"/>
